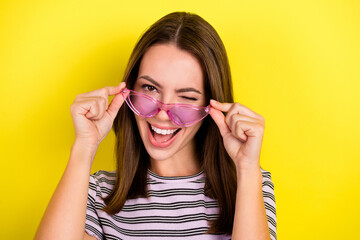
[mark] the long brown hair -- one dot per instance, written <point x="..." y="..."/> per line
<point x="192" y="33"/>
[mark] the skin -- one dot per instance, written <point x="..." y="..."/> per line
<point x="92" y="117"/>
<point x="242" y="131"/>
<point x="172" y="69"/>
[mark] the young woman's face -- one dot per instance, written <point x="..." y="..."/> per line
<point x="170" y="75"/>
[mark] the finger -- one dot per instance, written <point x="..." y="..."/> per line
<point x="115" y="90"/>
<point x="95" y="109"/>
<point x="236" y="107"/>
<point x="87" y="108"/>
<point x="239" y="130"/>
<point x="224" y="107"/>
<point x="102" y="106"/>
<point x="104" y="92"/>
<point x="232" y="120"/>
<point x="85" y="104"/>
<point x="219" y="119"/>
<point x="245" y="130"/>
<point x="116" y="103"/>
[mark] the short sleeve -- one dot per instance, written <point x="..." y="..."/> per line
<point x="269" y="201"/>
<point x="92" y="224"/>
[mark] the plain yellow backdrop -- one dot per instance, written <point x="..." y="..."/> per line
<point x="297" y="63"/>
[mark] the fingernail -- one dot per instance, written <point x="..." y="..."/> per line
<point x="213" y="101"/>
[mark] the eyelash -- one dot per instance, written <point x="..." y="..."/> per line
<point x="147" y="87"/>
<point x="189" y="98"/>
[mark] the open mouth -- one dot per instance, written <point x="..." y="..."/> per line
<point x="163" y="135"/>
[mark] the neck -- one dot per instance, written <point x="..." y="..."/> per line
<point x="184" y="163"/>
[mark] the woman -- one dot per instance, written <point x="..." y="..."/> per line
<point x="180" y="173"/>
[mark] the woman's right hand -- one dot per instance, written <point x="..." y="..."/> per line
<point x="92" y="115"/>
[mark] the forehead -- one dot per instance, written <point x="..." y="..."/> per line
<point x="172" y="67"/>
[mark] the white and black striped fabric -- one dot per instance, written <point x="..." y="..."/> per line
<point x="177" y="208"/>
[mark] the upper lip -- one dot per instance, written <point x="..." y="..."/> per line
<point x="163" y="127"/>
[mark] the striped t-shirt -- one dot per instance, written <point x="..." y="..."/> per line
<point x="176" y="208"/>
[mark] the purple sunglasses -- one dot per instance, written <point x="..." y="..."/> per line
<point x="183" y="115"/>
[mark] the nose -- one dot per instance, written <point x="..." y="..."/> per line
<point x="162" y="115"/>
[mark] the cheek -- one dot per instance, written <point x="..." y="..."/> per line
<point x="193" y="129"/>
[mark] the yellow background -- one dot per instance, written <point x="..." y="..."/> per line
<point x="297" y="63"/>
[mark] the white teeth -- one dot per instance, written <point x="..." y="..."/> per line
<point x="163" y="131"/>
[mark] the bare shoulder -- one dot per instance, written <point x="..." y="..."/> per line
<point x="88" y="237"/>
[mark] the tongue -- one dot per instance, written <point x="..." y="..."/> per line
<point x="162" y="138"/>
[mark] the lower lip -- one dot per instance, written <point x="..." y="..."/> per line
<point x="157" y="144"/>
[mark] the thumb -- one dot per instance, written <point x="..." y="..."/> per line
<point x="116" y="103"/>
<point x="219" y="119"/>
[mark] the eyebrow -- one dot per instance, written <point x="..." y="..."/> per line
<point x="146" y="77"/>
<point x="181" y="90"/>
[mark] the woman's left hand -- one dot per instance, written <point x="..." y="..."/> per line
<point x="242" y="131"/>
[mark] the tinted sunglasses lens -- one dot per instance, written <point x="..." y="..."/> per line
<point x="142" y="105"/>
<point x="185" y="115"/>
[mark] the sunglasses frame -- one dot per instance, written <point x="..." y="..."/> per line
<point x="164" y="106"/>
